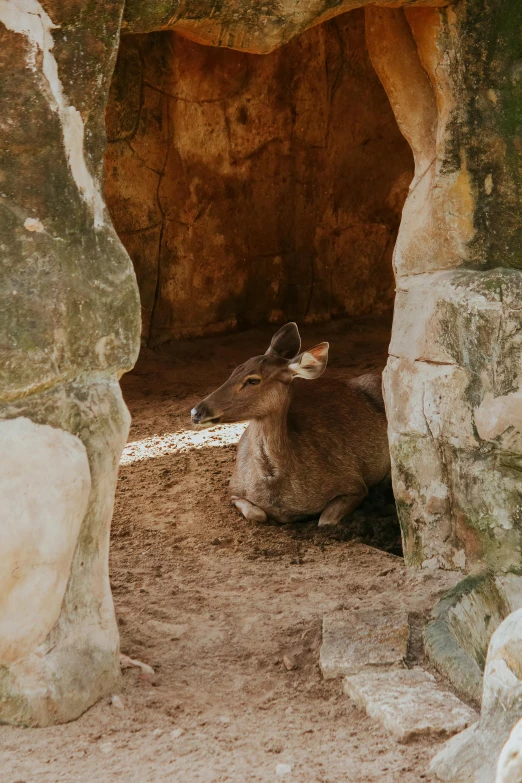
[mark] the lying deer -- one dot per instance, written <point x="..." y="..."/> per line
<point x="310" y="448"/>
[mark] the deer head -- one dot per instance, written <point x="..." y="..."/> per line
<point x="262" y="385"/>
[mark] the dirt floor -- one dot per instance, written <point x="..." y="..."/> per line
<point x="229" y="614"/>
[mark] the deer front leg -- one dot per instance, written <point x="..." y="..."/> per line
<point x="340" y="507"/>
<point x="251" y="512"/>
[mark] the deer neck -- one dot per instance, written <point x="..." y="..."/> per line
<point x="271" y="438"/>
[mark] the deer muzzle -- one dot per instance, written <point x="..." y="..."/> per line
<point x="203" y="416"/>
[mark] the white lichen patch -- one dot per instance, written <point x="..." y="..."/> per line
<point x="33" y="224"/>
<point x="27" y="17"/>
<point x="437" y="489"/>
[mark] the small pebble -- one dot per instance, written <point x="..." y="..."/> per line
<point x="106" y="747"/>
<point x="283" y="769"/>
<point x="126" y="662"/>
<point x="289" y="662"/>
<point x="175" y="733"/>
<point x="117" y="702"/>
<point x="157" y="732"/>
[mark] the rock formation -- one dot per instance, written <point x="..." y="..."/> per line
<point x="252" y="189"/>
<point x="69" y="309"/>
<point x="471" y="756"/>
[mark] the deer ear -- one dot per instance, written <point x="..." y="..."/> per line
<point x="286" y="342"/>
<point x="310" y="364"/>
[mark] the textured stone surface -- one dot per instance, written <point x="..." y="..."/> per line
<point x="457" y="636"/>
<point x="250" y="189"/>
<point x="471" y="757"/>
<point x="44" y="485"/>
<point x="69" y="325"/>
<point x="355" y="641"/>
<point x="453" y="379"/>
<point x="461" y="626"/>
<point x="68" y="299"/>
<point x="240" y="25"/>
<point x="77" y="660"/>
<point x="509" y="767"/>
<point x="455" y="350"/>
<point x="408" y="703"/>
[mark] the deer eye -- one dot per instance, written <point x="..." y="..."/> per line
<point x="252" y="381"/>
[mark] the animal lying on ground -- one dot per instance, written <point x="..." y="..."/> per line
<point x="313" y="445"/>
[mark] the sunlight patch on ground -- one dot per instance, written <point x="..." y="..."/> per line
<point x="184" y="440"/>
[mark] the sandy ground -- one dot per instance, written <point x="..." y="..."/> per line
<point x="229" y="614"/>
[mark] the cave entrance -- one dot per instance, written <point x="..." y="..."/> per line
<point x="250" y="190"/>
<point x="254" y="189"/>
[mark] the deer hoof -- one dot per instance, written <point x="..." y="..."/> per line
<point x="327" y="521"/>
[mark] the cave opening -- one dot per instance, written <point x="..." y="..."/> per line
<point x="250" y="190"/>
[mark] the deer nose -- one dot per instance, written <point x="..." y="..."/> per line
<point x="199" y="413"/>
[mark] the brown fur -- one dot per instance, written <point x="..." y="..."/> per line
<point x="312" y="446"/>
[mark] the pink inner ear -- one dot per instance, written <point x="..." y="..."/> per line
<point x="319" y="351"/>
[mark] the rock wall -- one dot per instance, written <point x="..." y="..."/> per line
<point x="475" y="754"/>
<point x="69" y="326"/>
<point x="454" y="377"/>
<point x="253" y="188"/>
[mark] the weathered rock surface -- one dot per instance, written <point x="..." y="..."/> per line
<point x="69" y="325"/>
<point x="471" y="757"/>
<point x="250" y="189"/>
<point x="45" y="470"/>
<point x="457" y="637"/>
<point x="240" y="25"/>
<point x="358" y="641"/>
<point x="408" y="703"/>
<point x="65" y="309"/>
<point x="456" y="456"/>
<point x="70" y="658"/>
<point x="509" y="768"/>
<point x="453" y="380"/>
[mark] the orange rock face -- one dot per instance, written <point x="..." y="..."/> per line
<point x="252" y="188"/>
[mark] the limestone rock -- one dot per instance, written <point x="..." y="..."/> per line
<point x="356" y="641"/>
<point x="69" y="326"/>
<point x="68" y="300"/>
<point x="442" y="450"/>
<point x="69" y="659"/>
<point x="45" y="483"/>
<point x="509" y="768"/>
<point x="471" y="757"/>
<point x="462" y="623"/>
<point x="454" y="408"/>
<point x="408" y="703"/>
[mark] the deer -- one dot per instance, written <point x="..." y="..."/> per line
<point x="311" y="449"/>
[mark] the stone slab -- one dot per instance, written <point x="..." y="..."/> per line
<point x="409" y="703"/>
<point x="354" y="641"/>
